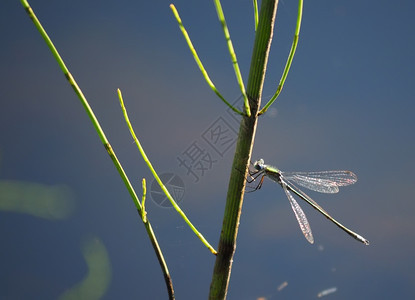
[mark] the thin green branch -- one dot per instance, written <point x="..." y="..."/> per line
<point x="143" y="201"/>
<point x="106" y="144"/>
<point x="162" y="186"/>
<point x="255" y="2"/>
<point x="289" y="60"/>
<point x="199" y="62"/>
<point x="232" y="53"/>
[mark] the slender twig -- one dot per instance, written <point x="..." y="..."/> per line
<point x="143" y="201"/>
<point x="232" y="53"/>
<point x="255" y="2"/>
<point x="246" y="136"/>
<point x="289" y="60"/>
<point x="106" y="144"/>
<point x="162" y="186"/>
<point x="199" y="62"/>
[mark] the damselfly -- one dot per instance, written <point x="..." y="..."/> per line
<point x="323" y="182"/>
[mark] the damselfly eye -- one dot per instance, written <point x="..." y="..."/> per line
<point x="259" y="164"/>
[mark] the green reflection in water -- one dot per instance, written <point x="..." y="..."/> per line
<point x="49" y="202"/>
<point x="98" y="278"/>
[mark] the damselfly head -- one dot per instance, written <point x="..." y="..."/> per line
<point x="259" y="164"/>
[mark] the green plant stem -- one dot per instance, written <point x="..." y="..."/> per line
<point x="234" y="200"/>
<point x="199" y="62"/>
<point x="232" y="53"/>
<point x="106" y="144"/>
<point x="162" y="186"/>
<point x="255" y="3"/>
<point x="143" y="201"/>
<point x="289" y="59"/>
